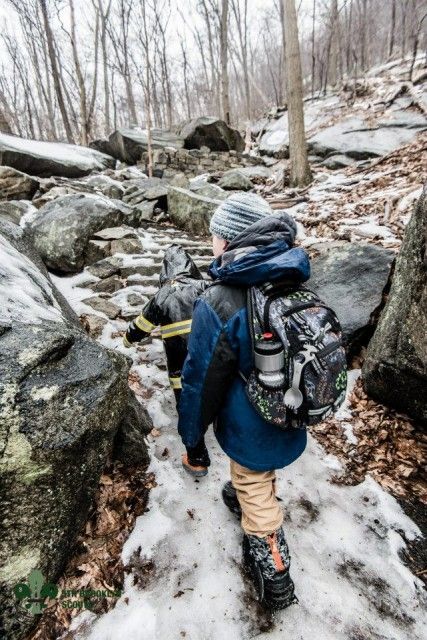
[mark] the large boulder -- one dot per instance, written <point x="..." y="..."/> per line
<point x="212" y="133"/>
<point x="63" y="399"/>
<point x="354" y="138"/>
<point x="15" y="185"/>
<point x="63" y="227"/>
<point x="51" y="158"/>
<point x="191" y="210"/>
<point x="351" y="279"/>
<point x="235" y="180"/>
<point x="395" y="369"/>
<point x="128" y="145"/>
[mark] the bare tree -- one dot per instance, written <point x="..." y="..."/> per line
<point x="300" y="174"/>
<point x="55" y="72"/>
<point x="240" y="11"/>
<point x="225" y="102"/>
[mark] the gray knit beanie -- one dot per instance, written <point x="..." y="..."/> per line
<point x="236" y="213"/>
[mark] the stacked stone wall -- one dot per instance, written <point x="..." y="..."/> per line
<point x="197" y="161"/>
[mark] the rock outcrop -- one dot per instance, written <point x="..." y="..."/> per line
<point x="48" y="159"/>
<point x="212" y="133"/>
<point x="15" y="185"/>
<point x="353" y="138"/>
<point x="395" y="369"/>
<point x="63" y="227"/>
<point x="128" y="145"/>
<point x="64" y="405"/>
<point x="351" y="279"/>
<point x="191" y="210"/>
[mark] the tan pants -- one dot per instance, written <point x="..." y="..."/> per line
<point x="261" y="512"/>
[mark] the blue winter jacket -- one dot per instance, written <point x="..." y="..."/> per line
<point x="220" y="346"/>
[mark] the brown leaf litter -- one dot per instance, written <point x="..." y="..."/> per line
<point x="96" y="561"/>
<point x="389" y="447"/>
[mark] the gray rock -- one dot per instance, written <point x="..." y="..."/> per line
<point x="15" y="185"/>
<point x="128" y="145"/>
<point x="352" y="137"/>
<point x="337" y="161"/>
<point x="191" y="211"/>
<point x="208" y="190"/>
<point x="105" y="268"/>
<point x="115" y="233"/>
<point x="395" y="369"/>
<point x="107" y="285"/>
<point x="143" y="212"/>
<point x="62" y="400"/>
<point x="62" y="229"/>
<point x="130" y="446"/>
<point x="51" y="158"/>
<point x="103" y="305"/>
<point x="134" y="299"/>
<point x="107" y="186"/>
<point x="14" y="210"/>
<point x="275" y="140"/>
<point x="235" y="180"/>
<point x="258" y="172"/>
<point x="125" y="245"/>
<point x="93" y="324"/>
<point x="137" y="191"/>
<point x="96" y="250"/>
<point x="212" y="133"/>
<point x="351" y="279"/>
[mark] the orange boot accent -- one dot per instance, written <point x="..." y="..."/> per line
<point x="196" y="471"/>
<point x="275" y="552"/>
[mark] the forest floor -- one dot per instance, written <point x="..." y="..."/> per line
<point x="173" y="548"/>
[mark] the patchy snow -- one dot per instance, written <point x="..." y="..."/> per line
<point x="83" y="157"/>
<point x="25" y="293"/>
<point x="345" y="544"/>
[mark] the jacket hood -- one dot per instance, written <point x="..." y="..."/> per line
<point x="261" y="253"/>
<point x="177" y="262"/>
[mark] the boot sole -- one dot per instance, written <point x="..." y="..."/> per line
<point x="275" y="593"/>
<point x="195" y="474"/>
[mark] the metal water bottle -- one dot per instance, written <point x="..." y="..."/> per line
<point x="269" y="361"/>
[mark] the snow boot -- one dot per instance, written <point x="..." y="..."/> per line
<point x="267" y="560"/>
<point x="229" y="496"/>
<point x="195" y="470"/>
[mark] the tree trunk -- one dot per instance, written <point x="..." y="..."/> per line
<point x="104" y="17"/>
<point x="300" y="174"/>
<point x="392" y="28"/>
<point x="55" y="73"/>
<point x="4" y="124"/>
<point x="225" y="102"/>
<point x="333" y="57"/>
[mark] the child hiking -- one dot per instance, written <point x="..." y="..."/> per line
<point x="171" y="308"/>
<point x="254" y="251"/>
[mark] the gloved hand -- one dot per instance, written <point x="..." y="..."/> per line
<point x="133" y="334"/>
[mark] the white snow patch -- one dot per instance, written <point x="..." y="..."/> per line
<point x="83" y="157"/>
<point x="25" y="293"/>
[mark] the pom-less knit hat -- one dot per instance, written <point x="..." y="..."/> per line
<point x="236" y="213"/>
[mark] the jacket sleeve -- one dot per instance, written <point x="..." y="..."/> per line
<point x="210" y="366"/>
<point x="144" y="324"/>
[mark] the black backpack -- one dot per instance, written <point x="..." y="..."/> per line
<point x="312" y="382"/>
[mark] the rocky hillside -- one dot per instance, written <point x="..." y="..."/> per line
<point x="82" y="236"/>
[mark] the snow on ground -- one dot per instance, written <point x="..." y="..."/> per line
<point x="344" y="541"/>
